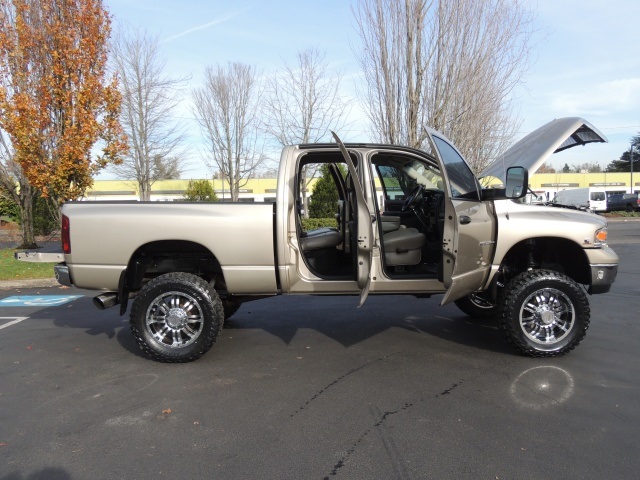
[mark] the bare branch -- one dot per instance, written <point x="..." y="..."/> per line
<point x="149" y="100"/>
<point x="448" y="65"/>
<point x="303" y="102"/>
<point x="227" y="108"/>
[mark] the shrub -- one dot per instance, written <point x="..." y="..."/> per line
<point x="200" y="191"/>
<point x="313" y="223"/>
<point x="324" y="200"/>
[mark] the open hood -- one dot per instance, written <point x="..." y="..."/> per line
<point x="534" y="149"/>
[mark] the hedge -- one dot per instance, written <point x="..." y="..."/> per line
<point x="313" y="223"/>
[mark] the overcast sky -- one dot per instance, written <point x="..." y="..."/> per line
<point x="585" y="57"/>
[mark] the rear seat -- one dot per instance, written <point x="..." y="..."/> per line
<point x="320" y="238"/>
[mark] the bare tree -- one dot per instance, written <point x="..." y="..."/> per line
<point x="17" y="186"/>
<point x="587" y="167"/>
<point x="449" y="65"/>
<point x="304" y="101"/>
<point x="227" y="110"/>
<point x="149" y="100"/>
<point x="303" y="104"/>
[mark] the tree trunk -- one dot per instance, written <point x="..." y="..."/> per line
<point x="145" y="191"/>
<point x="26" y="216"/>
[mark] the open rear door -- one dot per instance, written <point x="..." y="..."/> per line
<point x="364" y="227"/>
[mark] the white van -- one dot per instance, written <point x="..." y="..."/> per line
<point x="592" y="198"/>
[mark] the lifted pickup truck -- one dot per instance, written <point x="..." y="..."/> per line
<point x="408" y="222"/>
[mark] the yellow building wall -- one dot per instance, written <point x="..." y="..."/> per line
<point x="267" y="186"/>
<point x="561" y="181"/>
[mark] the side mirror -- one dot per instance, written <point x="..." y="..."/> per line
<point x="517" y="182"/>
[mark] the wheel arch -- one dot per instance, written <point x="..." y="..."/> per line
<point x="156" y="258"/>
<point x="550" y="253"/>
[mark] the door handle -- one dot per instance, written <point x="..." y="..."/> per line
<point x="464" y="219"/>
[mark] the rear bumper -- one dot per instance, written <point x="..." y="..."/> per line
<point x="61" y="270"/>
<point x="62" y="274"/>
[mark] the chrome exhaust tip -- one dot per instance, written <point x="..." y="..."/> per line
<point x="106" y="300"/>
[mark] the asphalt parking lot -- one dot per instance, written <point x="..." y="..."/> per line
<point x="313" y="388"/>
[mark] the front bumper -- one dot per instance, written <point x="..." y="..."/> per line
<point x="602" y="276"/>
<point x="603" y="263"/>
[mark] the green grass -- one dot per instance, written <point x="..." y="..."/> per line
<point x="622" y="213"/>
<point x="12" y="269"/>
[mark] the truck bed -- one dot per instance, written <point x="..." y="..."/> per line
<point x="105" y="235"/>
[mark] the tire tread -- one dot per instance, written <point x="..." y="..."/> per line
<point x="517" y="286"/>
<point x="138" y="310"/>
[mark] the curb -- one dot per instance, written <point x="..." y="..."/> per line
<point x="34" y="283"/>
<point x="622" y="219"/>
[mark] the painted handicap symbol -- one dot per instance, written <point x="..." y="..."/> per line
<point x="37" y="300"/>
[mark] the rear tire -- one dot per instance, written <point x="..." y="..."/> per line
<point x="545" y="314"/>
<point x="176" y="317"/>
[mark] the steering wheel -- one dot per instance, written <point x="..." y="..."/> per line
<point x="411" y="200"/>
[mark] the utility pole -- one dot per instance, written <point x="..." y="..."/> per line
<point x="631" y="162"/>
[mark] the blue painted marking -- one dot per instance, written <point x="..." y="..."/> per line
<point x="37" y="300"/>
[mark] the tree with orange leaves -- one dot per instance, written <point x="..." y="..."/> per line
<point x="57" y="104"/>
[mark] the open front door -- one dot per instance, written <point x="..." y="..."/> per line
<point x="364" y="228"/>
<point x="468" y="241"/>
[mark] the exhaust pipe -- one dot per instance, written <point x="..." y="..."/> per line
<point x="106" y="300"/>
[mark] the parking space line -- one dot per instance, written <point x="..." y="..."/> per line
<point x="13" y="322"/>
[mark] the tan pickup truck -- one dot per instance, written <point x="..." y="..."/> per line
<point x="407" y="222"/>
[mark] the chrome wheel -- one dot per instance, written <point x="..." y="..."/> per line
<point x="547" y="316"/>
<point x="545" y="313"/>
<point x="174" y="319"/>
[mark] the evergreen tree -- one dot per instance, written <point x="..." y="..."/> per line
<point x="200" y="191"/>
<point x="324" y="202"/>
<point x="624" y="164"/>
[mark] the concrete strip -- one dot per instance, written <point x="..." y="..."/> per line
<point x="34" y="283"/>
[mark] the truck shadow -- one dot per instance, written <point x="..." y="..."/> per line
<point x="81" y="314"/>
<point x="339" y="319"/>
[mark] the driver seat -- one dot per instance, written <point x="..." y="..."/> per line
<point x="403" y="246"/>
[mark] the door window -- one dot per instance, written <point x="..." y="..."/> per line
<point x="461" y="179"/>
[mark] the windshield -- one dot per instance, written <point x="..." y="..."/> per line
<point x="400" y="177"/>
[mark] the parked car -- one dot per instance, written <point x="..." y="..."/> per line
<point x="628" y="202"/>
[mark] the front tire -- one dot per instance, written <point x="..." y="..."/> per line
<point x="176" y="317"/>
<point x="545" y="314"/>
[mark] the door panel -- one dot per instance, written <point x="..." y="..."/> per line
<point x="473" y="229"/>
<point x="469" y="231"/>
<point x="364" y="235"/>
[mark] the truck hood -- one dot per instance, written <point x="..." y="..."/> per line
<point x="534" y="149"/>
<point x="544" y="213"/>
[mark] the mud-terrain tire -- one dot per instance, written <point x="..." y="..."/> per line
<point x="476" y="306"/>
<point x="176" y="317"/>
<point x="545" y="313"/>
